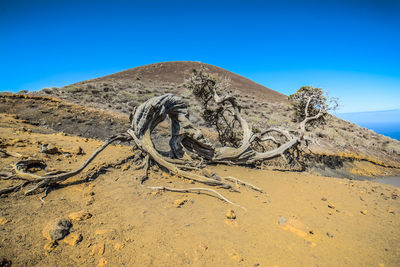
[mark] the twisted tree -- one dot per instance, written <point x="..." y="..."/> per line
<point x="190" y="151"/>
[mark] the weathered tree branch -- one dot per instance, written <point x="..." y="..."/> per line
<point x="50" y="179"/>
<point x="189" y="150"/>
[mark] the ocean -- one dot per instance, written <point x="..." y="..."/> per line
<point x="389" y="129"/>
<point x="385" y="122"/>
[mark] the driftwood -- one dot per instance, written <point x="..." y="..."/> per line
<point x="187" y="145"/>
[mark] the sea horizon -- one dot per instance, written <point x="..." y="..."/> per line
<point x="385" y="122"/>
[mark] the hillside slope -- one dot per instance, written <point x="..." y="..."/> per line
<point x="176" y="73"/>
<point x="338" y="142"/>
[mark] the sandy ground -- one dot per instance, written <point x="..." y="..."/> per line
<point x="299" y="220"/>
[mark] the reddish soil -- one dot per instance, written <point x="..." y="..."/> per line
<point x="299" y="220"/>
<point x="177" y="71"/>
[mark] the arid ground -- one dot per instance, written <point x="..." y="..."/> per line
<point x="299" y="220"/>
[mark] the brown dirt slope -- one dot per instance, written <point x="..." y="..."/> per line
<point x="299" y="220"/>
<point x="52" y="114"/>
<point x="177" y="71"/>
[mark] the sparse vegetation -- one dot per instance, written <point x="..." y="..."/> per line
<point x="309" y="101"/>
<point x="267" y="108"/>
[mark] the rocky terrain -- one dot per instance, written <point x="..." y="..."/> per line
<point x="104" y="217"/>
<point x="342" y="149"/>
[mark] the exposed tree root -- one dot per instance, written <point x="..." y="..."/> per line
<point x="11" y="154"/>
<point x="237" y="181"/>
<point x="146" y="166"/>
<point x="6" y="175"/>
<point x="194" y="190"/>
<point x="49" y="180"/>
<point x="45" y="194"/>
<point x="146" y="145"/>
<point x="189" y="149"/>
<point x="13" y="188"/>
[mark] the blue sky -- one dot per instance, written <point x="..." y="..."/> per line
<point x="350" y="48"/>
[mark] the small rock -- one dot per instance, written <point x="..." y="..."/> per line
<point x="331" y="206"/>
<point x="98" y="249"/>
<point x="230" y="214"/>
<point x="389" y="210"/>
<point x="79" y="151"/>
<point x="282" y="221"/>
<point x="102" y="262"/>
<point x="203" y="246"/>
<point x="179" y="202"/>
<point x="56" y="229"/>
<point x="49" y="149"/>
<point x="118" y="246"/>
<point x="73" y="239"/>
<point x="34" y="169"/>
<point x="329" y="235"/>
<point x="3" y="220"/>
<point x="50" y="246"/>
<point x="324" y="199"/>
<point x="80" y="216"/>
<point x="364" y="212"/>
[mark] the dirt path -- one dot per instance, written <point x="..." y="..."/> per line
<point x="300" y="220"/>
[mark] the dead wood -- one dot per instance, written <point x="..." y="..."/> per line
<point x="191" y="190"/>
<point x="189" y="149"/>
<point x="51" y="179"/>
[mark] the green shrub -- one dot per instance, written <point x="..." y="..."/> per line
<point x="318" y="101"/>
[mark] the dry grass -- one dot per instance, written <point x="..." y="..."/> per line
<point x="261" y="107"/>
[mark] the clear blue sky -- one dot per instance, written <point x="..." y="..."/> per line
<point x="351" y="48"/>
